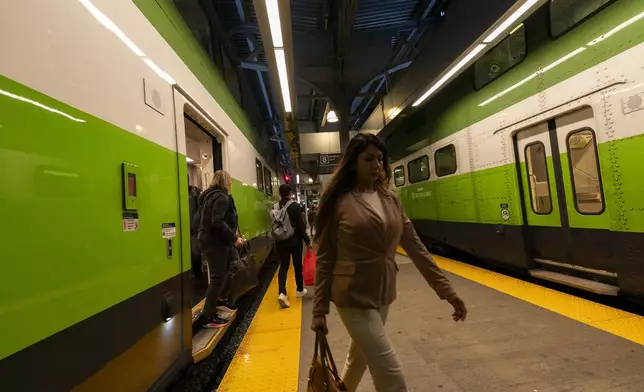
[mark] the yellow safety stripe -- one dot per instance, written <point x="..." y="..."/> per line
<point x="617" y="322"/>
<point x="268" y="358"/>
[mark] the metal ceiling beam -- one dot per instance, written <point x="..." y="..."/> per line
<point x="347" y="11"/>
<point x="255" y="53"/>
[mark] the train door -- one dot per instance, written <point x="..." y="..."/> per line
<point x="546" y="227"/>
<point x="562" y="188"/>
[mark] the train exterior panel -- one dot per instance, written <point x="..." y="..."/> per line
<point x="84" y="284"/>
<point x="509" y="191"/>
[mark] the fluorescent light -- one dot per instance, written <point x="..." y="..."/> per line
<point x="297" y="179"/>
<point x="190" y="160"/>
<point x="534" y="75"/>
<point x="272" y="7"/>
<point x="280" y="58"/>
<point x="616" y="29"/>
<point x="107" y="22"/>
<point x="159" y="71"/>
<point x="331" y="116"/>
<point x="451" y="73"/>
<point x="510" y="21"/>
<point x="40" y="105"/>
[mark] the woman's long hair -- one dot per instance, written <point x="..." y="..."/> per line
<point x="221" y="179"/>
<point x="345" y="178"/>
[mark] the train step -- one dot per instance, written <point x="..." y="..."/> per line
<point x="591" y="271"/>
<point x="206" y="339"/>
<point x="573" y="281"/>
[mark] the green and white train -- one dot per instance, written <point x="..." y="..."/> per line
<point x="94" y="250"/>
<point x="532" y="158"/>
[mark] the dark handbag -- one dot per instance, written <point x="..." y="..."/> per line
<point x="323" y="375"/>
<point x="243" y="273"/>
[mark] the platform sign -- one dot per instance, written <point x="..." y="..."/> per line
<point x="330" y="159"/>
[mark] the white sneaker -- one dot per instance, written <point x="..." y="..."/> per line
<point x="283" y="300"/>
<point x="301" y="294"/>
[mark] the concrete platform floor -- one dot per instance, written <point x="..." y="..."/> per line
<point x="506" y="344"/>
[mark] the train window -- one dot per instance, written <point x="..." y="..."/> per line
<point x="267" y="181"/>
<point x="584" y="168"/>
<point x="399" y="176"/>
<point x="445" y="160"/>
<point x="538" y="182"/>
<point x="507" y="54"/>
<point x="418" y="169"/>
<point x="260" y="175"/>
<point x="566" y="14"/>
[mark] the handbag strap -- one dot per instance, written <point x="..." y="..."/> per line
<point x="325" y="353"/>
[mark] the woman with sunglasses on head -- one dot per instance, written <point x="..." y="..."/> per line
<point x="359" y="224"/>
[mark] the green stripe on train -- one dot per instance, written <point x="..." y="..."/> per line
<point x="477" y="197"/>
<point x="64" y="253"/>
<point x="466" y="111"/>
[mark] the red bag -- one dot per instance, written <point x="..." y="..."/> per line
<point x="308" y="270"/>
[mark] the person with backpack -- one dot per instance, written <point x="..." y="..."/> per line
<point x="289" y="231"/>
<point x="218" y="238"/>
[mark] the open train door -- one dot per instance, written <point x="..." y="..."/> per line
<point x="565" y="224"/>
<point x="201" y="147"/>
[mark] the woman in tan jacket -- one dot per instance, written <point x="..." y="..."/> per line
<point x="360" y="222"/>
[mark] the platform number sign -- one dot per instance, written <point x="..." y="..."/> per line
<point x="505" y="212"/>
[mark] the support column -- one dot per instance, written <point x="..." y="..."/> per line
<point x="343" y="114"/>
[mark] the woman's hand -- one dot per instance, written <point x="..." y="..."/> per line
<point x="460" y="311"/>
<point x="319" y="324"/>
<point x="240" y="242"/>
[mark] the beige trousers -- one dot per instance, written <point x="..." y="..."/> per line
<point x="370" y="347"/>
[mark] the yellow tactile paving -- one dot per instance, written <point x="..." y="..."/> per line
<point x="269" y="356"/>
<point x="624" y="324"/>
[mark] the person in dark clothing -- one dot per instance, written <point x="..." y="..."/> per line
<point x="195" y="253"/>
<point x="218" y="238"/>
<point x="291" y="247"/>
<point x="312" y="211"/>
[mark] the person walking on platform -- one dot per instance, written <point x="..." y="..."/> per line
<point x="359" y="224"/>
<point x="218" y="228"/>
<point x="312" y="211"/>
<point x="290" y="231"/>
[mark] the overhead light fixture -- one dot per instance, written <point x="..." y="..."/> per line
<point x="190" y="160"/>
<point x="310" y="179"/>
<point x="297" y="179"/>
<point x="272" y="7"/>
<point x="332" y="117"/>
<point x="450" y="73"/>
<point x="510" y="21"/>
<point x="280" y="58"/>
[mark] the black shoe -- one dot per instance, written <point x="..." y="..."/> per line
<point x="214" y="322"/>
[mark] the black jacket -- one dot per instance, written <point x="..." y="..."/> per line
<point x="296" y="217"/>
<point x="218" y="218"/>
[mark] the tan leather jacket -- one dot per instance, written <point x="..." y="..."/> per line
<point x="356" y="264"/>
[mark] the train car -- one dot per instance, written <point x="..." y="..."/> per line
<point x="531" y="157"/>
<point x="99" y="111"/>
